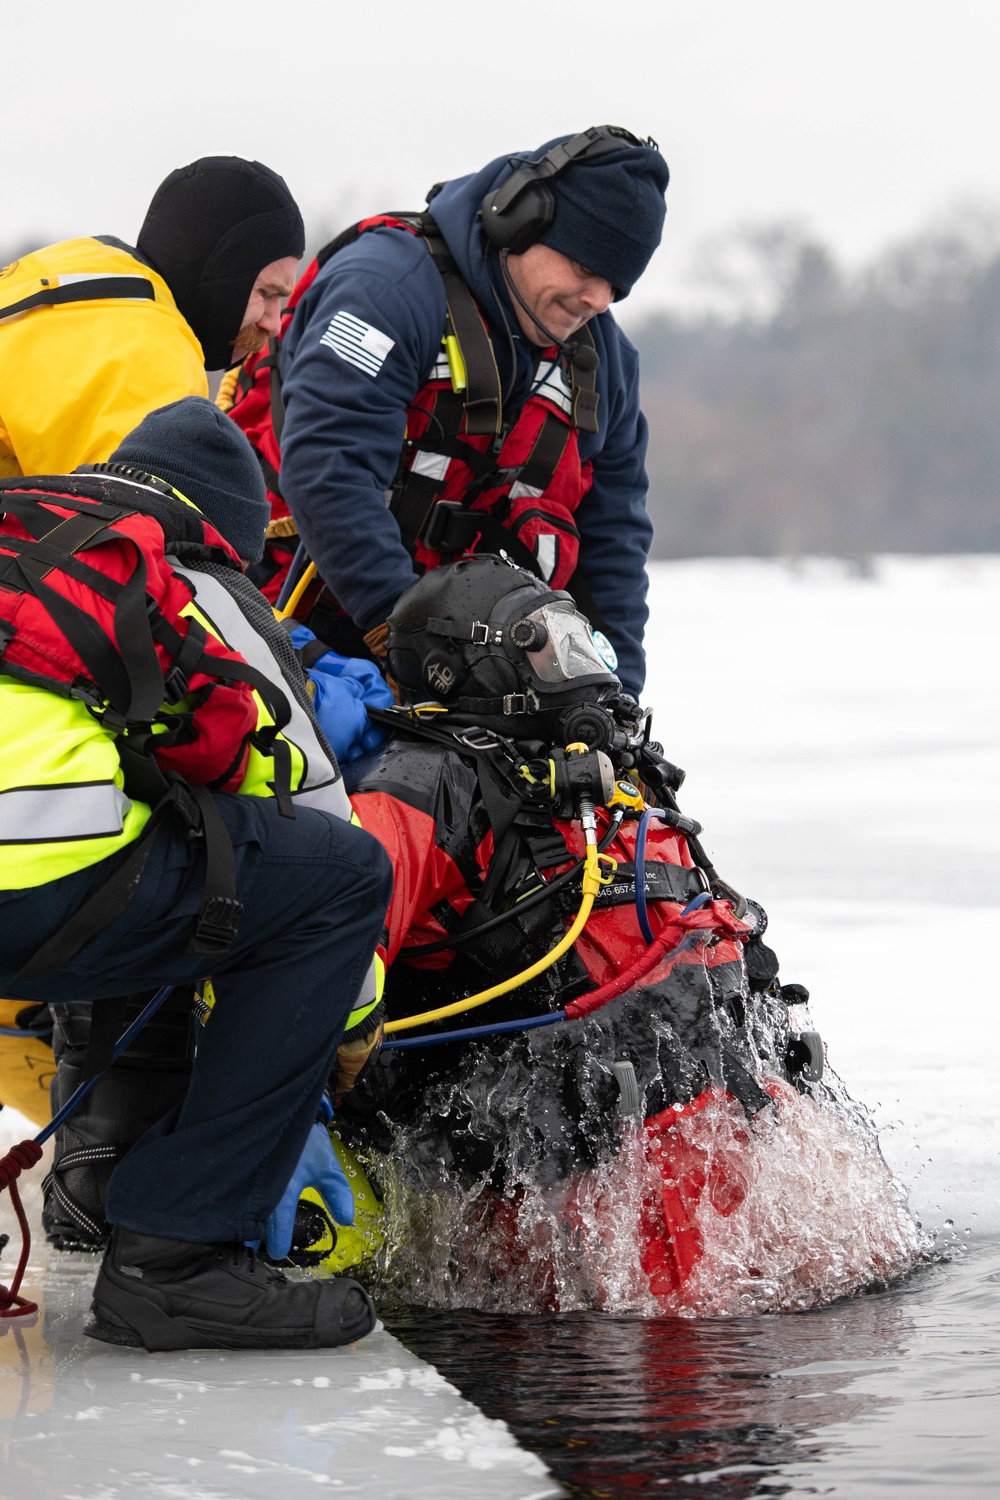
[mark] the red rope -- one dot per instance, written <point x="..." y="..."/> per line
<point x="716" y="916"/>
<point x="20" y="1158"/>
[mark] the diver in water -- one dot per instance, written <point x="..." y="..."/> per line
<point x="516" y="763"/>
<point x="509" y="800"/>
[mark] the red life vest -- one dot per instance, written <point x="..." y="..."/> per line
<point x="478" y="483"/>
<point x="91" y="608"/>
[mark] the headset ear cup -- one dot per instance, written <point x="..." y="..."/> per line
<point x="521" y="225"/>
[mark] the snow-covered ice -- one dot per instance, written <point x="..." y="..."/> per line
<point x="840" y="724"/>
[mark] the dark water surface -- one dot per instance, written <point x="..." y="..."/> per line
<point x="894" y="1390"/>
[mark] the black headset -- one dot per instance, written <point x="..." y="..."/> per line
<point x="518" y="213"/>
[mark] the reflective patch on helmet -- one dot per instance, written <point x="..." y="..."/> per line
<point x="359" y="343"/>
<point x="605" y="650"/>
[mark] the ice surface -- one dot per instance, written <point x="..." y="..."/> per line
<point x="840" y="725"/>
<point x="80" y="1420"/>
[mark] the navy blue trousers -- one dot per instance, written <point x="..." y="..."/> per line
<point x="314" y="892"/>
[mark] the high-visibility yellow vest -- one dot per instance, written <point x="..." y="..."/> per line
<point x="76" y="376"/>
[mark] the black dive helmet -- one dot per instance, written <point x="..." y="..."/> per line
<point x="496" y="646"/>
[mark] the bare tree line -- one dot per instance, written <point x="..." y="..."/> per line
<point x="819" y="411"/>
<point x="822" y="412"/>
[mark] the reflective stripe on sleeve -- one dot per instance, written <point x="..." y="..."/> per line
<point x="57" y="814"/>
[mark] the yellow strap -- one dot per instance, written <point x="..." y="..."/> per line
<point x="296" y="595"/>
<point x="592" y="882"/>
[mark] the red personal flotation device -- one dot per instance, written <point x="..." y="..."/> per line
<point x="453" y="494"/>
<point x="91" y="608"/>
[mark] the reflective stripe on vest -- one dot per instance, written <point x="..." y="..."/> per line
<point x="57" y="814"/>
<point x="321" y="785"/>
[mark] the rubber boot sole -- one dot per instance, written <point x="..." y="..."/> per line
<point x="137" y="1323"/>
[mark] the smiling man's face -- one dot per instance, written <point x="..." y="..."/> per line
<point x="561" y="293"/>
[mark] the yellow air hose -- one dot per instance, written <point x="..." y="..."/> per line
<point x="592" y="882"/>
<point x="296" y="594"/>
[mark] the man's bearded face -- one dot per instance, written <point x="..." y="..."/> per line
<point x="250" y="340"/>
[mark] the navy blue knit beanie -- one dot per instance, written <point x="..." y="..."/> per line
<point x="609" y="213"/>
<point x="202" y="453"/>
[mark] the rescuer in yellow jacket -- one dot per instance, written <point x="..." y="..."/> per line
<point x="94" y="333"/>
<point x="310" y="889"/>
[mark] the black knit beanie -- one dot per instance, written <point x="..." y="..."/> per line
<point x="609" y="213"/>
<point x="211" y="229"/>
<point x="198" y="450"/>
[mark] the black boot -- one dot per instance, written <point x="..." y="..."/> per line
<point x="148" y="1080"/>
<point x="172" y="1294"/>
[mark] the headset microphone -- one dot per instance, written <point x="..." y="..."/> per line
<point x="581" y="356"/>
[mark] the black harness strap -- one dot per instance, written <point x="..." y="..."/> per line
<point x="100" y="289"/>
<point x="96" y="650"/>
<point x="277" y="402"/>
<point x="539" y="468"/>
<point x="484" y="394"/>
<point x="270" y="473"/>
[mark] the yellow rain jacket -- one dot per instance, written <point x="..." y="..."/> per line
<point x="79" y="370"/>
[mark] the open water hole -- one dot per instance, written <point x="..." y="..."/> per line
<point x="895" y="1389"/>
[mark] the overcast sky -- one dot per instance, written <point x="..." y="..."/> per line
<point x="863" y="118"/>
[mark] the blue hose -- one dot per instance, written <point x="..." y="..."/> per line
<point x="641" y="909"/>
<point x="78" y="1096"/>
<point x="292" y="576"/>
<point x="470" y="1032"/>
<point x="640" y="873"/>
<point x="20" y="1032"/>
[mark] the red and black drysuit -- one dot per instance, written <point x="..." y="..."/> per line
<point x="684" y="1029"/>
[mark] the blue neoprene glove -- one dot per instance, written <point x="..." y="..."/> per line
<point x="344" y="687"/>
<point x="318" y="1168"/>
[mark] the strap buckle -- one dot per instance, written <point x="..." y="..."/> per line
<point x="479" y="633"/>
<point x="516" y="703"/>
<point x="478" y="738"/>
<point x="217" y="925"/>
<point x="434" y="534"/>
<point x="175" y="685"/>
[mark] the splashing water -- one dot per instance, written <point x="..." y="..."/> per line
<point x="783" y="1212"/>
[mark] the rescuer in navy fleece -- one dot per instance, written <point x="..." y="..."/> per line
<point x="346" y="416"/>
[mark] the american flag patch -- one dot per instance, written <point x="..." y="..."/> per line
<point x="358" y="342"/>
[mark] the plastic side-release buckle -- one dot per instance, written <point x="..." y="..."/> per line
<point x="217" y="925"/>
<point x="176" y="686"/>
<point x="439" y="523"/>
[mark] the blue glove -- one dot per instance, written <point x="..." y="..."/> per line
<point x="318" y="1168"/>
<point x="342" y="688"/>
